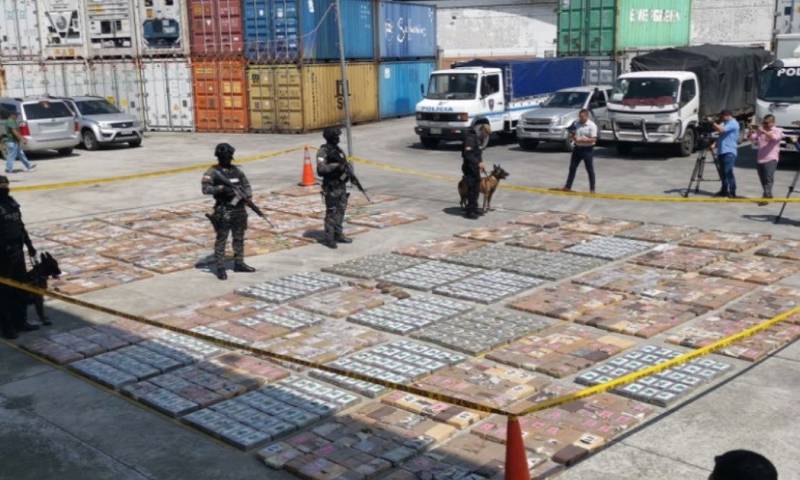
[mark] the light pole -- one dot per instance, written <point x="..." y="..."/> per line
<point x="345" y="85"/>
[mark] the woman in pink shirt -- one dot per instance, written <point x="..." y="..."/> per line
<point x="767" y="138"/>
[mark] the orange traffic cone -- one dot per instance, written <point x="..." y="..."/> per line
<point x="308" y="171"/>
<point x="516" y="459"/>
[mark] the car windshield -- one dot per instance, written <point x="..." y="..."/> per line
<point x="646" y="91"/>
<point x="780" y="85"/>
<point x="566" y="100"/>
<point x="41" y="110"/>
<point x="453" y="86"/>
<point x="96" y="107"/>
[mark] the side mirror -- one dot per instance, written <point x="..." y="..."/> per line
<point x="422" y="89"/>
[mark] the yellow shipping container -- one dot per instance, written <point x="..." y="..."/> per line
<point x="2" y="83"/>
<point x="291" y="98"/>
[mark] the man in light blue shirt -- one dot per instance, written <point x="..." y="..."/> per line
<point x="727" y="150"/>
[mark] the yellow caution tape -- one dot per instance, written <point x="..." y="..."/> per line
<point x="551" y="191"/>
<point x="152" y="174"/>
<point x="544" y="405"/>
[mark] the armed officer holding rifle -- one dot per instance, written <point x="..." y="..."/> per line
<point x="232" y="192"/>
<point x="336" y="172"/>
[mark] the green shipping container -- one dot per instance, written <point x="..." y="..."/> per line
<point x="603" y="27"/>
<point x="645" y="24"/>
<point x="586" y="27"/>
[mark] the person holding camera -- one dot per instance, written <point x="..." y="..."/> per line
<point x="727" y="151"/>
<point x="584" y="133"/>
<point x="767" y="140"/>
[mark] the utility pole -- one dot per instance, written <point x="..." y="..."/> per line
<point x="345" y="85"/>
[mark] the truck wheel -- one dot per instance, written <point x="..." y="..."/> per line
<point x="624" y="148"/>
<point x="429" y="142"/>
<point x="686" y="147"/>
<point x="135" y="143"/>
<point x="89" y="140"/>
<point x="528" y="144"/>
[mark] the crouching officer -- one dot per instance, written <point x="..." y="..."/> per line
<point x="471" y="167"/>
<point x="333" y="167"/>
<point x="13" y="305"/>
<point x="229" y="211"/>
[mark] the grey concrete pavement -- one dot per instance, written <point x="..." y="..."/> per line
<point x="79" y="427"/>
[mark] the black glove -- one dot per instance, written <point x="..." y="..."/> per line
<point x="31" y="251"/>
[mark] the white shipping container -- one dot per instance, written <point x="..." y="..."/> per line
<point x="110" y="28"/>
<point x="724" y="23"/>
<point x="120" y="83"/>
<point x="168" y="98"/>
<point x="162" y="27"/>
<point x="25" y="79"/>
<point x="19" y="30"/>
<point x="62" y="28"/>
<point x="67" y="78"/>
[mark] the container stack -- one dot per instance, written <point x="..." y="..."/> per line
<point x="222" y="65"/>
<point x="131" y="52"/>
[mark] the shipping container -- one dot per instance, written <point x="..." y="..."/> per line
<point x="733" y="22"/>
<point x="119" y="81"/>
<point x="586" y="27"/>
<point x="67" y="78"/>
<point x="320" y="36"/>
<point x="216" y="28"/>
<point x="220" y="95"/>
<point x="19" y="30"/>
<point x="63" y="28"/>
<point x="271" y="30"/>
<point x="168" y="98"/>
<point x="162" y="27"/>
<point x="292" y="98"/>
<point x="604" y="27"/>
<point x="25" y="79"/>
<point x="283" y="31"/>
<point x="400" y="86"/>
<point x="2" y="82"/>
<point x="406" y="30"/>
<point x="787" y="17"/>
<point x="599" y="71"/>
<point x="110" y="27"/>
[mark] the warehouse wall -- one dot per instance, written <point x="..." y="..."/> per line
<point x="733" y="22"/>
<point x="468" y="28"/>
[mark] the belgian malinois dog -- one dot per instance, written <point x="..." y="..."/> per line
<point x="488" y="187"/>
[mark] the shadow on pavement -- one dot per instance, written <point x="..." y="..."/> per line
<point x="770" y="218"/>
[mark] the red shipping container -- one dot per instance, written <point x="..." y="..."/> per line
<point x="216" y="28"/>
<point x="220" y="95"/>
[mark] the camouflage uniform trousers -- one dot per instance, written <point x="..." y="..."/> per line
<point x="234" y="221"/>
<point x="335" y="207"/>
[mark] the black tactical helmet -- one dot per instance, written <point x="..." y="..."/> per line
<point x="331" y="133"/>
<point x="224" y="150"/>
<point x="3" y="181"/>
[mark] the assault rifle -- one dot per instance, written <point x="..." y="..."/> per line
<point x="240" y="196"/>
<point x="354" y="180"/>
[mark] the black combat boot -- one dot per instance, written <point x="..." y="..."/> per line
<point x="9" y="334"/>
<point x="221" y="273"/>
<point x="28" y="327"/>
<point x="329" y="242"/>
<point x="340" y="238"/>
<point x="240" y="266"/>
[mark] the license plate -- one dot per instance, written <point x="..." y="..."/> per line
<point x="534" y="134"/>
<point x="127" y="133"/>
<point x="436" y="131"/>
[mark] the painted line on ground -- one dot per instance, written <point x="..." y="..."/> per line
<point x="156" y="173"/>
<point x="555" y="192"/>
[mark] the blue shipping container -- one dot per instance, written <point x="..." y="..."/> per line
<point x="399" y="86"/>
<point x="406" y="30"/>
<point x="537" y="76"/>
<point x="285" y="30"/>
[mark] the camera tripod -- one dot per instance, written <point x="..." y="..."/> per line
<point x="788" y="194"/>
<point x="700" y="167"/>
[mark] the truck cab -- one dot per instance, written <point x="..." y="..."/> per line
<point x="549" y="122"/>
<point x="779" y="95"/>
<point x="458" y="99"/>
<point x="654" y="107"/>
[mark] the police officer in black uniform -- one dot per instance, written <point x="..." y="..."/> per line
<point x="471" y="167"/>
<point x="229" y="214"/>
<point x="13" y="307"/>
<point x="334" y="169"/>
